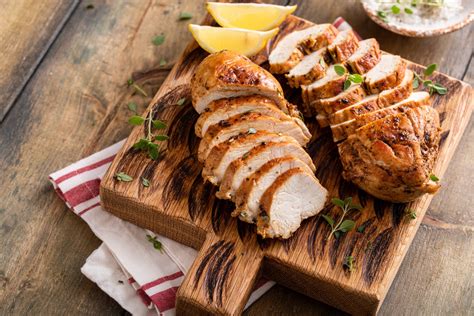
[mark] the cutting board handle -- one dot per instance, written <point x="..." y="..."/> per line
<point x="221" y="278"/>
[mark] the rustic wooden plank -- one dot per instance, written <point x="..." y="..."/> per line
<point x="307" y="262"/>
<point x="41" y="218"/>
<point x="62" y="115"/>
<point x="27" y="30"/>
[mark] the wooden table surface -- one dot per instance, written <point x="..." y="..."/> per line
<point x="63" y="72"/>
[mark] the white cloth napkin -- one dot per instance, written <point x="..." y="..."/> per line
<point x="142" y="279"/>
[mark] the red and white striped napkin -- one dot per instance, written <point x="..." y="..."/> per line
<point x="126" y="266"/>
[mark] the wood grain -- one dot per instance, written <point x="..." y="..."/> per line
<point x="28" y="28"/>
<point x="307" y="262"/>
<point x="43" y="245"/>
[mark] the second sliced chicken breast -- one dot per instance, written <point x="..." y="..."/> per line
<point x="388" y="73"/>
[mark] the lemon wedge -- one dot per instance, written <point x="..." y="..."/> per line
<point x="245" y="42"/>
<point x="251" y="16"/>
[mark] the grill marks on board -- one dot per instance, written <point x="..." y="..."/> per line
<point x="216" y="266"/>
<point x="442" y="140"/>
<point x="376" y="255"/>
<point x="190" y="62"/>
<point x="221" y="211"/>
<point x="200" y="199"/>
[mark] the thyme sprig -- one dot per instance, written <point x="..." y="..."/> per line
<point x="156" y="243"/>
<point x="342" y="225"/>
<point x="148" y="143"/>
<point x="433" y="87"/>
<point x="349" y="263"/>
<point x="351" y="78"/>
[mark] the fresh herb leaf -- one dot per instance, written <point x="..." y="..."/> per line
<point x="339" y="69"/>
<point x="156" y="243"/>
<point x="408" y="11"/>
<point x="252" y="130"/>
<point x="181" y="101"/>
<point x="161" y="137"/>
<point x="411" y="214"/>
<point x="434" y="178"/>
<point x="346" y="225"/>
<point x="356" y="78"/>
<point x="123" y="177"/>
<point x="349" y="263"/>
<point x="141" y="144"/>
<point x="145" y="182"/>
<point x="416" y="83"/>
<point x="322" y="63"/>
<point x="158" y="40"/>
<point x="361" y="228"/>
<point x="430" y="69"/>
<point x="136" y="120"/>
<point x="382" y="15"/>
<point x="328" y="219"/>
<point x="130" y="82"/>
<point x="153" y="151"/>
<point x="132" y="106"/>
<point x="159" y="124"/>
<point x="395" y="9"/>
<point x="185" y="16"/>
<point x="162" y="62"/>
<point x="347" y="84"/>
<point x="137" y="88"/>
<point x="342" y="225"/>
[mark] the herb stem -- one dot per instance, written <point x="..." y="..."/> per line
<point x="150" y="120"/>
<point x="139" y="89"/>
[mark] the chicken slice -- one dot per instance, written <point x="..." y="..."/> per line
<point x="290" y="49"/>
<point x="329" y="86"/>
<point x="227" y="74"/>
<point x="247" y="197"/>
<point x="375" y="102"/>
<point x="326" y="107"/>
<point x="312" y="67"/>
<point x="248" y="123"/>
<point x="392" y="158"/>
<point x="293" y="196"/>
<point x="222" y="155"/>
<point x="343" y="46"/>
<point x="365" y="57"/>
<point x="224" y="109"/>
<point x="342" y="130"/>
<point x="244" y="167"/>
<point x="388" y="73"/>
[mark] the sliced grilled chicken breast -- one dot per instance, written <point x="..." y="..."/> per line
<point x="329" y="86"/>
<point x="293" y="196"/>
<point x="375" y="102"/>
<point x="388" y="73"/>
<point x="326" y="107"/>
<point x="227" y="74"/>
<point x="247" y="197"/>
<point x="343" y="46"/>
<point x="365" y="57"/>
<point x="312" y="67"/>
<point x="222" y="155"/>
<point x="344" y="129"/>
<point x="224" y="109"/>
<point x="392" y="158"/>
<point x="289" y="50"/>
<point x="244" y="167"/>
<point x="248" y="123"/>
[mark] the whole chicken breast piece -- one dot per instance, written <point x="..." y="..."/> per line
<point x="293" y="196"/>
<point x="227" y="74"/>
<point x="222" y="155"/>
<point x="247" y="197"/>
<point x="375" y="102"/>
<point x="224" y="109"/>
<point x="343" y="130"/>
<point x="388" y="73"/>
<point x="248" y="123"/>
<point x="365" y="57"/>
<point x="392" y="158"/>
<point x="343" y="46"/>
<point x="250" y="162"/>
<point x="312" y="67"/>
<point x="291" y="48"/>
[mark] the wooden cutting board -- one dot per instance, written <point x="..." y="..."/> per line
<point x="179" y="205"/>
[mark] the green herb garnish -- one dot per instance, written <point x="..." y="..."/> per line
<point x="185" y="16"/>
<point x="408" y="11"/>
<point x="361" y="228"/>
<point x="395" y="9"/>
<point x="411" y="214"/>
<point x="342" y="226"/>
<point x="162" y="62"/>
<point x="349" y="263"/>
<point x="382" y="15"/>
<point x="136" y="120"/>
<point x="158" y="40"/>
<point x="433" y="87"/>
<point x="123" y="177"/>
<point x="156" y="243"/>
<point x="434" y="178"/>
<point x="131" y="83"/>
<point x="147" y="144"/>
<point x="145" y="182"/>
<point x="181" y="101"/>
<point x="132" y="106"/>
<point x="340" y="70"/>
